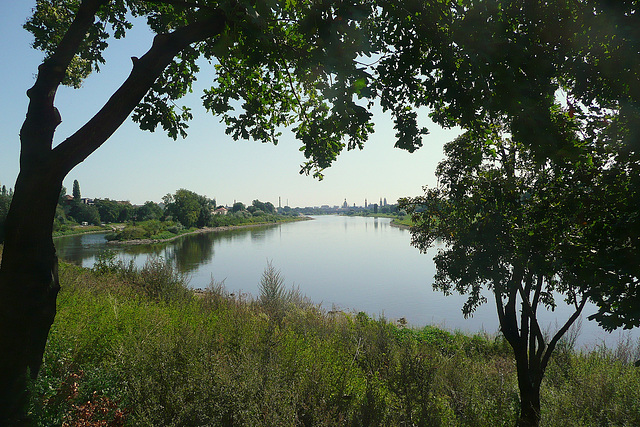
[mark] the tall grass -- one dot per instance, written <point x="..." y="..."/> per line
<point x="156" y="279"/>
<point x="119" y="354"/>
<point x="276" y="300"/>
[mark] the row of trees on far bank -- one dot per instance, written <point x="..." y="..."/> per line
<point x="73" y="210"/>
<point x="186" y="210"/>
<point x="183" y="209"/>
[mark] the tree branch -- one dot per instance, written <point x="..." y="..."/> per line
<point x="499" y="305"/>
<point x="536" y="333"/>
<point x="36" y="134"/>
<point x="561" y="332"/>
<point x="145" y="71"/>
<point x="536" y="295"/>
<point x="509" y="321"/>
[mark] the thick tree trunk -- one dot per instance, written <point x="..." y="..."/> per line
<point x="530" y="374"/>
<point x="529" y="406"/>
<point x="528" y="384"/>
<point x="28" y="287"/>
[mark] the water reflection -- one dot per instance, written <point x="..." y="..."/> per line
<point x="187" y="253"/>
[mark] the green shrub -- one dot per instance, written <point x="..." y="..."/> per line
<point x="163" y="235"/>
<point x="275" y="299"/>
<point x="152" y="226"/>
<point x="132" y="232"/>
<point x="160" y="281"/>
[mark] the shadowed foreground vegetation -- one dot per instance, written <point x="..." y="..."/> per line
<point x="133" y="346"/>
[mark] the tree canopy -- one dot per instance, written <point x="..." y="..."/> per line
<point x="275" y="65"/>
<point x="188" y="208"/>
<point x="540" y="195"/>
<point x="558" y="77"/>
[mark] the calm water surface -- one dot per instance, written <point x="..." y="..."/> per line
<point x="348" y="263"/>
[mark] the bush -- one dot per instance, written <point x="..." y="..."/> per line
<point x="274" y="298"/>
<point x="174" y="228"/>
<point x="152" y="227"/>
<point x="157" y="279"/>
<point x="132" y="232"/>
<point x="160" y="281"/>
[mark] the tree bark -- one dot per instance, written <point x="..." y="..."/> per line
<point x="529" y="380"/>
<point x="28" y="287"/>
<point x="529" y="405"/>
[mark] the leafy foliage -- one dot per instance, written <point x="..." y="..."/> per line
<point x="188" y="208"/>
<point x="76" y="191"/>
<point x="556" y="78"/>
<point x="276" y="64"/>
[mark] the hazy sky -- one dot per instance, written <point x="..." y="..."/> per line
<point x="138" y="165"/>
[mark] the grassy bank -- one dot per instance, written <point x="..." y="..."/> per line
<point x="81" y="229"/>
<point x="403" y="221"/>
<point x="158" y="231"/>
<point x="134" y="347"/>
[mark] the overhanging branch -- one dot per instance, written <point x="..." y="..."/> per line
<point x="145" y="71"/>
<point x="42" y="118"/>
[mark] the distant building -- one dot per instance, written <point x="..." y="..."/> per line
<point x="345" y="205"/>
<point x="221" y="211"/>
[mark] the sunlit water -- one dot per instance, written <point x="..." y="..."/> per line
<point x="347" y="263"/>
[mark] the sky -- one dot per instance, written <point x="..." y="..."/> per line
<point x="138" y="165"/>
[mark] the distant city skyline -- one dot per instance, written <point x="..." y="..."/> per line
<point x="143" y="166"/>
<point x="278" y="203"/>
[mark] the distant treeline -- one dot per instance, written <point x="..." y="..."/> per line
<point x="177" y="213"/>
<point x="5" y="201"/>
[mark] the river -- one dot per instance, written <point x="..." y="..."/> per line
<point x="345" y="263"/>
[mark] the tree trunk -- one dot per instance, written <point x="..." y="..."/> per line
<point x="529" y="406"/>
<point x="529" y="385"/>
<point x="28" y="287"/>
